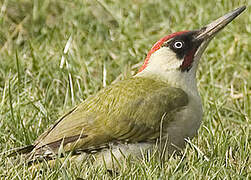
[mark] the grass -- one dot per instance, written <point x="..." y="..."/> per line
<point x="41" y="79"/>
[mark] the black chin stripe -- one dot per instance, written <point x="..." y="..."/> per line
<point x="188" y="60"/>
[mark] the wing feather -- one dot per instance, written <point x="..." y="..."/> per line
<point x="119" y="112"/>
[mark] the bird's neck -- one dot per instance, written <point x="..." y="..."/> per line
<point x="186" y="82"/>
<point x="164" y="66"/>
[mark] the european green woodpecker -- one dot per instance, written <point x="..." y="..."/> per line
<point x="160" y="103"/>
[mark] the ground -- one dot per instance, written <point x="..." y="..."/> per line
<point x="54" y="54"/>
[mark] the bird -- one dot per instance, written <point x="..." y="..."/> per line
<point x="159" y="107"/>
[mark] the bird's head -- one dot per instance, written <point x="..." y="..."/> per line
<point x="178" y="54"/>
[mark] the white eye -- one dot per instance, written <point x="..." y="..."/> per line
<point x="178" y="44"/>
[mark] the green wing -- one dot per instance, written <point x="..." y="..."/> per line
<point x="119" y="112"/>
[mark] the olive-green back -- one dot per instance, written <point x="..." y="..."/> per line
<point x="130" y="110"/>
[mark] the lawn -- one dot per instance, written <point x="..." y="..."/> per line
<point x="54" y="54"/>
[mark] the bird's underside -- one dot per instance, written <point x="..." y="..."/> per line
<point x="107" y="121"/>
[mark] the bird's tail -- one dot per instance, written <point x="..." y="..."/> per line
<point x="21" y="150"/>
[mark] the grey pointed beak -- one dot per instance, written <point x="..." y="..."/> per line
<point x="203" y="36"/>
<point x="210" y="30"/>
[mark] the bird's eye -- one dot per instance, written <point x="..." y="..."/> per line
<point x="178" y="44"/>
